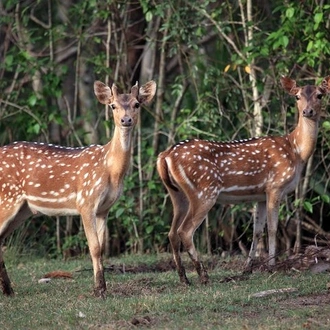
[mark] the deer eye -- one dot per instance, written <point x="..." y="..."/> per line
<point x="319" y="96"/>
<point x="137" y="105"/>
<point x="298" y="97"/>
<point x="113" y="107"/>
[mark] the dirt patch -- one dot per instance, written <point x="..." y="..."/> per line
<point x="317" y="306"/>
<point x="142" y="286"/>
<point x="314" y="258"/>
<point x="159" y="267"/>
<point x="316" y="300"/>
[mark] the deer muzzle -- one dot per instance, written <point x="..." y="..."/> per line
<point x="126" y="121"/>
<point x="308" y="113"/>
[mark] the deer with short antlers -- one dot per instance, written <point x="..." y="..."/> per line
<point x="197" y="173"/>
<point x="37" y="178"/>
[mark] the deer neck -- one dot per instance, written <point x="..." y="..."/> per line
<point x="304" y="136"/>
<point x="118" y="152"/>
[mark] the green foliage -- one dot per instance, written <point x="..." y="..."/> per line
<point x="75" y="243"/>
<point x="305" y="28"/>
<point x="309" y="204"/>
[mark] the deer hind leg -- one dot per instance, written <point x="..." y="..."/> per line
<point x="9" y="221"/>
<point x="195" y="216"/>
<point x="259" y="221"/>
<point x="180" y="209"/>
<point x="95" y="250"/>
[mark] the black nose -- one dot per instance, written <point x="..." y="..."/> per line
<point x="308" y="113"/>
<point x="126" y="121"/>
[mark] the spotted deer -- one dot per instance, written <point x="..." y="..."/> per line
<point x="37" y="178"/>
<point x="197" y="173"/>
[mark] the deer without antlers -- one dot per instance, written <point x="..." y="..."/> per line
<point x="197" y="173"/>
<point x="54" y="180"/>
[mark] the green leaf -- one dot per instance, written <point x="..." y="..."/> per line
<point x="9" y="60"/>
<point x="149" y="229"/>
<point x="119" y="212"/>
<point x="285" y="41"/>
<point x="325" y="198"/>
<point x="310" y="45"/>
<point x="35" y="128"/>
<point x="318" y="18"/>
<point x="27" y="55"/>
<point x="56" y="118"/>
<point x="149" y="16"/>
<point x="264" y="51"/>
<point x="151" y="185"/>
<point x="289" y="12"/>
<point x="308" y="206"/>
<point x="326" y="125"/>
<point x="32" y="100"/>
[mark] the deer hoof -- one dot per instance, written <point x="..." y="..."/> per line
<point x="184" y="280"/>
<point x="204" y="279"/>
<point x="7" y="290"/>
<point x="100" y="293"/>
<point x="247" y="269"/>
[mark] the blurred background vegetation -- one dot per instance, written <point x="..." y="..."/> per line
<point x="217" y="66"/>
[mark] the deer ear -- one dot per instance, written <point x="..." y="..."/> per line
<point x="289" y="85"/>
<point x="114" y="90"/>
<point x="135" y="90"/>
<point x="147" y="92"/>
<point x="103" y="92"/>
<point x="325" y="85"/>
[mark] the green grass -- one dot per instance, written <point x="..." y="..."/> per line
<point x="158" y="301"/>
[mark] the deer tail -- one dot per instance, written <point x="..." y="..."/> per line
<point x="164" y="172"/>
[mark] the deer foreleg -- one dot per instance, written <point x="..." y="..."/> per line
<point x="273" y="204"/>
<point x="101" y="223"/>
<point x="95" y="251"/>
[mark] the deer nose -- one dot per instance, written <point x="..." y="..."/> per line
<point x="126" y="121"/>
<point x="308" y="113"/>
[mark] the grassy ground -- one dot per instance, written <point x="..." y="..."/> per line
<point x="154" y="299"/>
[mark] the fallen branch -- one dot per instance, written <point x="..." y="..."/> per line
<point x="313" y="226"/>
<point x="266" y="293"/>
